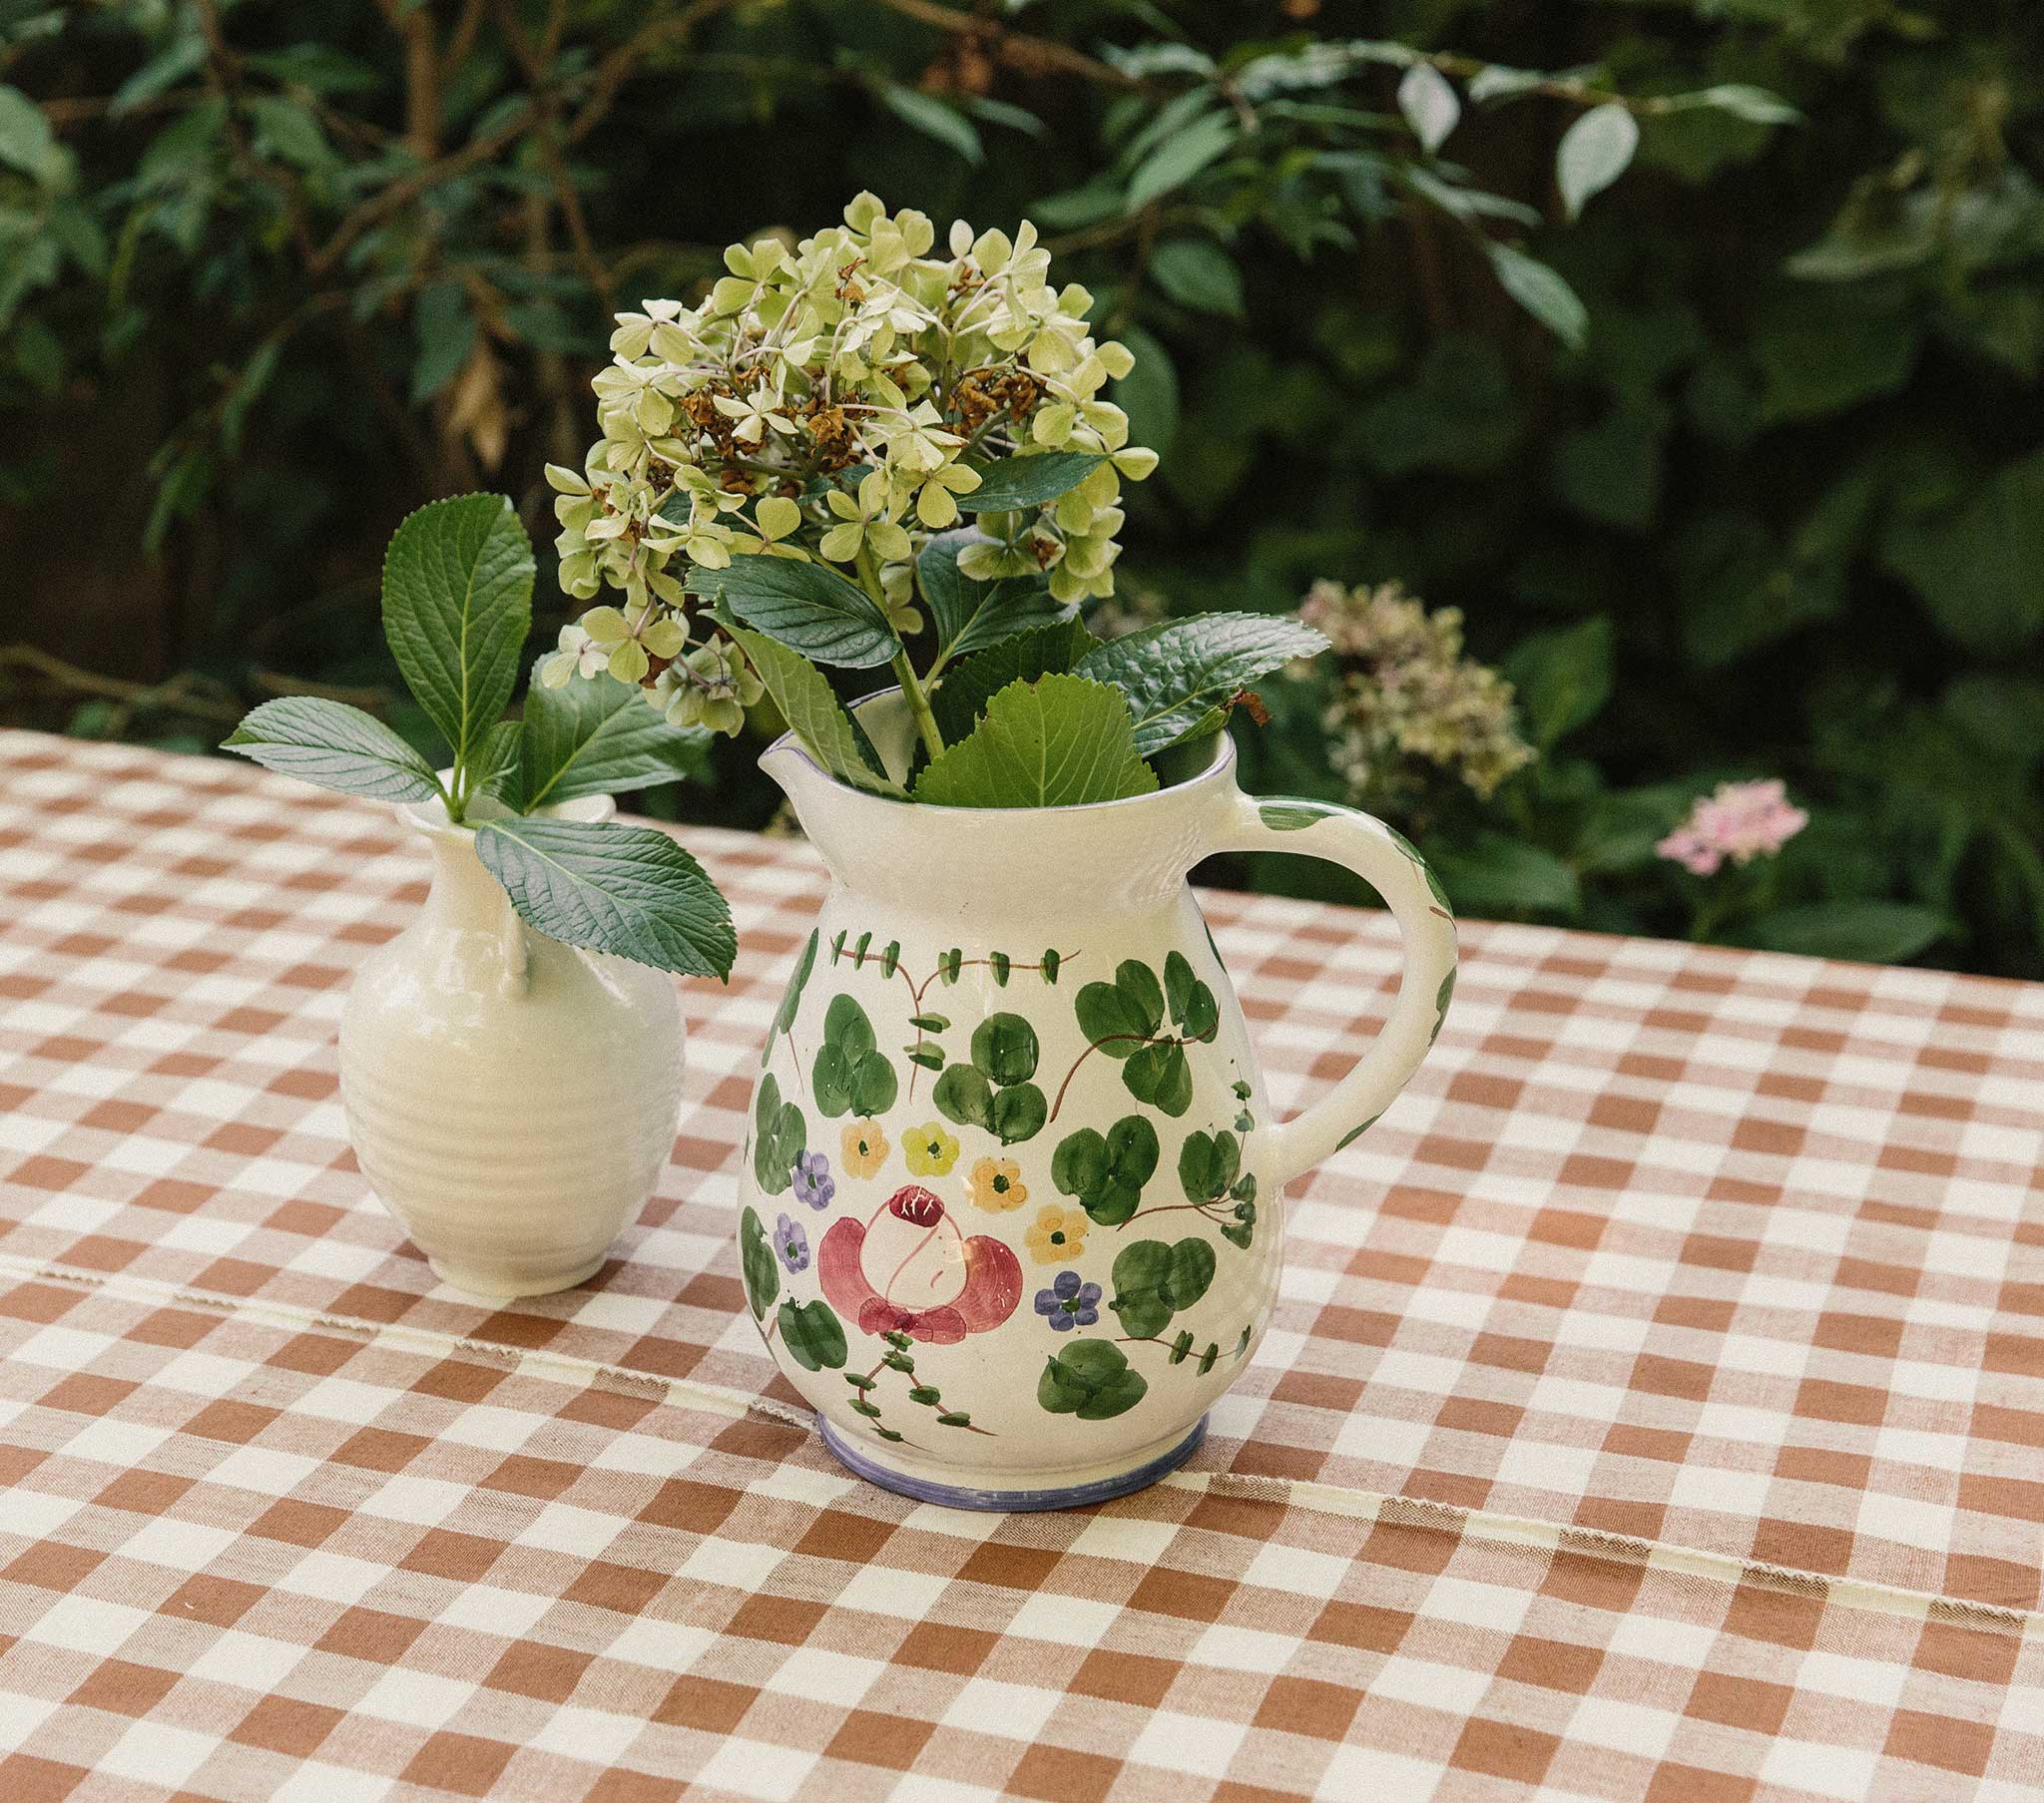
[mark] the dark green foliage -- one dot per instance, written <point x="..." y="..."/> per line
<point x="1779" y="516"/>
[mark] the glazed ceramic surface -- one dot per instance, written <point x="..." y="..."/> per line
<point x="1009" y="1214"/>
<point x="511" y="1100"/>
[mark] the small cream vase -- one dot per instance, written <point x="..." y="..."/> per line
<point x="511" y="1100"/>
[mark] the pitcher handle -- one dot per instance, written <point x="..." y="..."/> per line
<point x="1426" y="929"/>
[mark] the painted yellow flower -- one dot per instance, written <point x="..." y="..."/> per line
<point x="996" y="1186"/>
<point x="1056" y="1235"/>
<point x="866" y="1147"/>
<point x="931" y="1151"/>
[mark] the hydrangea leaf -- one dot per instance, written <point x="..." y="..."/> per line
<point x="1178" y="674"/>
<point x="457" y="603"/>
<point x="335" y="745"/>
<point x="596" y="736"/>
<point x="799" y="689"/>
<point x="626" y="890"/>
<point x="961" y="696"/>
<point x="1061" y="741"/>
<point x="806" y="607"/>
<point x="970" y="616"/>
<point x="1029" y="481"/>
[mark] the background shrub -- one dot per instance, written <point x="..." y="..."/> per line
<point x="1740" y="474"/>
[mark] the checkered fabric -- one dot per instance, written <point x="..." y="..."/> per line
<point x="1655" y="1407"/>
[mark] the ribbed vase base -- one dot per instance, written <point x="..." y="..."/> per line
<point x="499" y="1286"/>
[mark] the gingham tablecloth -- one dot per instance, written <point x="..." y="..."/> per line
<point x="1655" y="1408"/>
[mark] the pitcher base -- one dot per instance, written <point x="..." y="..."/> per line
<point x="1098" y="1484"/>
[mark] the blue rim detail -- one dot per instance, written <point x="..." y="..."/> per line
<point x="958" y="1496"/>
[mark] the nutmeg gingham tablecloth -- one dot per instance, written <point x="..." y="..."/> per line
<point x="1656" y="1407"/>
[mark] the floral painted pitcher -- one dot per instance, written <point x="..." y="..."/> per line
<point x="1010" y="1209"/>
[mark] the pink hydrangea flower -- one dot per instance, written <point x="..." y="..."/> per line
<point x="1740" y="821"/>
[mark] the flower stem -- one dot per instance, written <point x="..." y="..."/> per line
<point x="911" y="687"/>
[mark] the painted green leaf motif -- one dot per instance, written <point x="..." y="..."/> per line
<point x="1004" y="1047"/>
<point x="850" y="1073"/>
<point x="799" y="689"/>
<point x="1176" y="675"/>
<point x="336" y="746"/>
<point x="1442" y="997"/>
<point x="626" y="890"/>
<point x="781" y="1135"/>
<point x="1123" y="1013"/>
<point x="808" y="608"/>
<point x="1029" y="481"/>
<point x="1019" y="1112"/>
<point x="1289" y="816"/>
<point x="1105" y="1174"/>
<point x="1160" y="1075"/>
<point x="758" y="1266"/>
<point x="812" y="1334"/>
<point x="792" y="997"/>
<point x="1061" y="741"/>
<point x="1152" y="1280"/>
<point x="597" y="737"/>
<point x="963" y="1094"/>
<point x="966" y="686"/>
<point x="1208" y="1165"/>
<point x="457" y="603"/>
<point x="1091" y="1380"/>
<point x="1357" y="1132"/>
<point x="1192" y="1009"/>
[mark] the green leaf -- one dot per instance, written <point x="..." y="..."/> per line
<point x="1562" y="678"/>
<point x="808" y="608"/>
<point x="1029" y="481"/>
<point x="970" y="616"/>
<point x="1061" y="741"/>
<point x="1744" y="100"/>
<point x="1153" y="1282"/>
<point x="335" y="745"/>
<point x="598" y="737"/>
<point x="1091" y="1380"/>
<point x="797" y="689"/>
<point x="851" y="1074"/>
<point x="1174" y="674"/>
<point x="1019" y="1112"/>
<point x="1542" y="292"/>
<point x="626" y="890"/>
<point x="1192" y="1009"/>
<point x="457" y="603"/>
<point x="495" y="766"/>
<point x="1868" y="932"/>
<point x="1149" y="394"/>
<point x="1004" y="1047"/>
<point x="1593" y="153"/>
<point x="1430" y="105"/>
<point x="757" y="1264"/>
<point x="1979" y="568"/>
<point x="1178" y="157"/>
<point x="812" y="1334"/>
<point x="933" y="119"/>
<point x="26" y="142"/>
<point x="1207" y="1163"/>
<point x="797" y="980"/>
<point x="1161" y="1075"/>
<point x="1115" y="1016"/>
<point x="1106" y="1172"/>
<point x="445" y="328"/>
<point x="781" y="1135"/>
<point x="1197" y="273"/>
<point x="966" y="687"/>
<point x="963" y="1094"/>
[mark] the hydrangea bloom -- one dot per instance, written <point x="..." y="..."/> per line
<point x="835" y="398"/>
<point x="1409" y="697"/>
<point x="1740" y="821"/>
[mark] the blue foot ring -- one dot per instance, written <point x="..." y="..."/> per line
<point x="958" y="1496"/>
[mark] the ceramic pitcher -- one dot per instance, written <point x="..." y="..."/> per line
<point x="510" y="1099"/>
<point x="1009" y="1212"/>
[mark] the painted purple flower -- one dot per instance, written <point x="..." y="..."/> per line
<point x="813" y="1183"/>
<point x="1068" y="1303"/>
<point x="791" y="1244"/>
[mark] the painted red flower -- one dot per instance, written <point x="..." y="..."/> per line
<point x="906" y="1268"/>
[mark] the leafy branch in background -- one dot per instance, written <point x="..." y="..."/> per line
<point x="458" y="604"/>
<point x="269" y="277"/>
